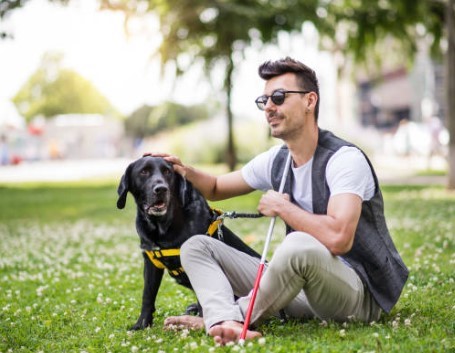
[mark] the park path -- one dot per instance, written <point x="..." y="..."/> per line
<point x="390" y="170"/>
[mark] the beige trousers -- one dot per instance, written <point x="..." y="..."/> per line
<point x="303" y="278"/>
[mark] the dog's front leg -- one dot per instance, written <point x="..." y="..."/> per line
<point x="152" y="281"/>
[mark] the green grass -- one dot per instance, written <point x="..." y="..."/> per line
<point x="71" y="278"/>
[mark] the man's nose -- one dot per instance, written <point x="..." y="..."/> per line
<point x="269" y="105"/>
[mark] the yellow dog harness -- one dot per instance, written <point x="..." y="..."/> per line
<point x="157" y="255"/>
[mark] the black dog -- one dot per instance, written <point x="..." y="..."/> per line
<point x="169" y="211"/>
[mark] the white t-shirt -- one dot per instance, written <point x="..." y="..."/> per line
<point x="347" y="171"/>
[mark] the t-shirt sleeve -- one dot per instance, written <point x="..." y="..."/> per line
<point x="349" y="172"/>
<point x="257" y="172"/>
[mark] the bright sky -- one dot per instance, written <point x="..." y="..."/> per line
<point x="123" y="67"/>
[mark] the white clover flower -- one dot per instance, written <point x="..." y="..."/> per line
<point x="261" y="341"/>
<point x="342" y="333"/>
<point x="185" y="332"/>
<point x="97" y="329"/>
<point x="134" y="349"/>
<point x="407" y="322"/>
<point x="111" y="336"/>
<point x="193" y="345"/>
<point x="40" y="290"/>
<point x="376" y="335"/>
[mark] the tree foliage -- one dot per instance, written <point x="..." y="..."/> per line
<point x="362" y="26"/>
<point x="213" y="31"/>
<point x="150" y="120"/>
<point x="367" y="26"/>
<point x="53" y="90"/>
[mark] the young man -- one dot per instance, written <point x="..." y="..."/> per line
<point x="337" y="261"/>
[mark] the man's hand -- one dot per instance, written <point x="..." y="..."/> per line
<point x="272" y="203"/>
<point x="176" y="162"/>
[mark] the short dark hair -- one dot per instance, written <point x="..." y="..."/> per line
<point x="306" y="77"/>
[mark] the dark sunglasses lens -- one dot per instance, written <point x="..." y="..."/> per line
<point x="278" y="97"/>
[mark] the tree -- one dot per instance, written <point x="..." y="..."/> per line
<point x="365" y="26"/>
<point x="217" y="31"/>
<point x="52" y="90"/>
<point x="148" y="120"/>
<point x="450" y="88"/>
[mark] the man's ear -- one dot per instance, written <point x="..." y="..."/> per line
<point x="123" y="187"/>
<point x="312" y="100"/>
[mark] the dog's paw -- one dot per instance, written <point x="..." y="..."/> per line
<point x="141" y="324"/>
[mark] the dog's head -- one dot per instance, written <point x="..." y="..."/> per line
<point x="154" y="184"/>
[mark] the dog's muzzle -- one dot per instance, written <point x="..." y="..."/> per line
<point x="158" y="204"/>
<point x="159" y="208"/>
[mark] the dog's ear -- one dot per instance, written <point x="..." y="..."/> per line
<point x="123" y="187"/>
<point x="184" y="189"/>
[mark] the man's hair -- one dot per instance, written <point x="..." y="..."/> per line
<point x="306" y="77"/>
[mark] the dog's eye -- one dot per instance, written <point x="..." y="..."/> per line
<point x="166" y="172"/>
<point x="145" y="172"/>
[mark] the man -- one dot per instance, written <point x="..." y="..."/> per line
<point x="337" y="261"/>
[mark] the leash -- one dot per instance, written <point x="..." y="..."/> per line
<point x="232" y="215"/>
<point x="158" y="256"/>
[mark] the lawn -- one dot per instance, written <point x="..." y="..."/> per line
<point x="71" y="278"/>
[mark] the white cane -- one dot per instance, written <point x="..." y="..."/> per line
<point x="264" y="255"/>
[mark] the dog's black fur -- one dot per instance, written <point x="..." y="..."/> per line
<point x="169" y="211"/>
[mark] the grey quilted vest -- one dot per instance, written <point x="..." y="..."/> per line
<point x="373" y="255"/>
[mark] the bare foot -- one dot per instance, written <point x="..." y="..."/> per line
<point x="184" y="321"/>
<point x="230" y="331"/>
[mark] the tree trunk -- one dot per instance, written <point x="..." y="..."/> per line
<point x="231" y="155"/>
<point x="450" y="91"/>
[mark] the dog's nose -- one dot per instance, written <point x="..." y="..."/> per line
<point x="160" y="189"/>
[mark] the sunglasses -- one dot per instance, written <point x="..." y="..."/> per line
<point x="277" y="98"/>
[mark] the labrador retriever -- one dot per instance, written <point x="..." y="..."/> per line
<point x="169" y="211"/>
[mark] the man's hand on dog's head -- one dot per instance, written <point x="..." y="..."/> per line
<point x="176" y="162"/>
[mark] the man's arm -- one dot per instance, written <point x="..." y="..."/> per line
<point x="335" y="230"/>
<point x="213" y="188"/>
